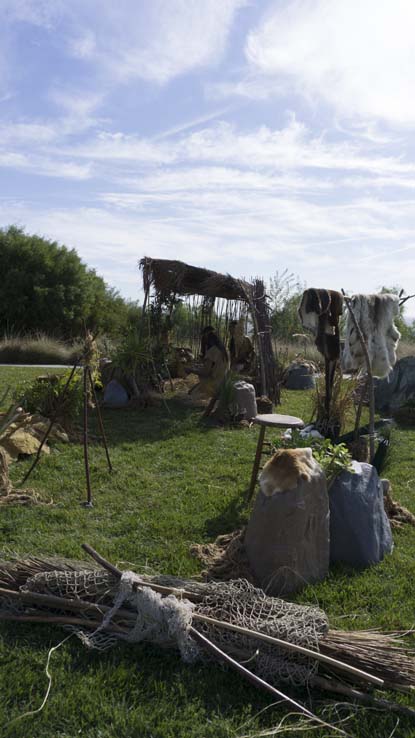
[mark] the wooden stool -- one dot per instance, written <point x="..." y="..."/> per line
<point x="271" y="421"/>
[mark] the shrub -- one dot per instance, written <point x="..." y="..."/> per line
<point x="43" y="396"/>
<point x="333" y="458"/>
<point x="37" y="349"/>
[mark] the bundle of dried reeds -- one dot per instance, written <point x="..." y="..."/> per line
<point x="233" y="622"/>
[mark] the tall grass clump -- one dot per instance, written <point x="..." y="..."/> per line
<point x="36" y="349"/>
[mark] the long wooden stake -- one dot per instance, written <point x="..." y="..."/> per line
<point x="61" y="620"/>
<point x="256" y="680"/>
<point x="339" y="665"/>
<point x="371" y="386"/>
<point x="179" y="593"/>
<point x="100" y="421"/>
<point x="88" y="502"/>
<point x="366" y="699"/>
<point x="61" y="603"/>
<point x="51" y="424"/>
<point x="334" y="663"/>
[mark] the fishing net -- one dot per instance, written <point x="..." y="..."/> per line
<point x="142" y="614"/>
<point x="94" y="584"/>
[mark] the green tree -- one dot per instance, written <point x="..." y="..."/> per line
<point x="46" y="287"/>
<point x="285" y="292"/>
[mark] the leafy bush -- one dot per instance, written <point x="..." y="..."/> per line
<point x="227" y="409"/>
<point x="333" y="458"/>
<point x="43" y="396"/>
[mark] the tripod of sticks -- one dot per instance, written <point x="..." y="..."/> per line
<point x="83" y="362"/>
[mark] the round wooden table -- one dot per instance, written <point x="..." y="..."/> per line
<point x="272" y="420"/>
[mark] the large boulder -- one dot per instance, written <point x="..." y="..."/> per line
<point x="287" y="537"/>
<point x="360" y="532"/>
<point x="21" y="442"/>
<point x="300" y="376"/>
<point x="398" y="388"/>
<point x="115" y="395"/>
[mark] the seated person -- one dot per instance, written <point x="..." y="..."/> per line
<point x="214" y="367"/>
<point x="241" y="348"/>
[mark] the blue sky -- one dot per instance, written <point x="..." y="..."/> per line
<point x="245" y="136"/>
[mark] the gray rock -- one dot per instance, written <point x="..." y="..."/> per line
<point x="115" y="395"/>
<point x="360" y="532"/>
<point x="287" y="537"/>
<point x="300" y="377"/>
<point x="245" y="400"/>
<point x="398" y="387"/>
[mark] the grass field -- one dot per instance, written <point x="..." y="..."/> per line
<point x="176" y="482"/>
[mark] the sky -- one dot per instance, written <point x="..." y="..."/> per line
<point x="247" y="136"/>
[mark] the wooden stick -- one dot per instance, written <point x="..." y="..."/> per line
<point x="334" y="663"/>
<point x="61" y="620"/>
<point x="371" y="387"/>
<point x="85" y="439"/>
<point x="63" y="603"/>
<point x="179" y="593"/>
<point x="51" y="423"/>
<point x="363" y="697"/>
<point x="100" y="421"/>
<point x="253" y="634"/>
<point x="256" y="680"/>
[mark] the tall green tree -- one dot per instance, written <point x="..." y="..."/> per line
<point x="285" y="292"/>
<point x="46" y="287"/>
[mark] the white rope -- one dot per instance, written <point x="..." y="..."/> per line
<point x="49" y="676"/>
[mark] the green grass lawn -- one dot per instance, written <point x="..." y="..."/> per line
<point x="176" y="482"/>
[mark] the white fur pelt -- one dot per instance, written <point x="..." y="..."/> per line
<point x="375" y="315"/>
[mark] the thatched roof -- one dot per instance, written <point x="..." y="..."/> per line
<point x="169" y="277"/>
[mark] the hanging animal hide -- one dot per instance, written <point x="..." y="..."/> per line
<point x="320" y="312"/>
<point x="375" y="315"/>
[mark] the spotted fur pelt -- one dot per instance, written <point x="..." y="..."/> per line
<point x="375" y="315"/>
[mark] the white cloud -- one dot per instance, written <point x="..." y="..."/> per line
<point x="292" y="147"/>
<point x="156" y="41"/>
<point x="128" y="40"/>
<point x="37" y="12"/>
<point x="357" y="55"/>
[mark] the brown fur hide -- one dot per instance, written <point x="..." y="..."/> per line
<point x="286" y="469"/>
<point x="320" y="312"/>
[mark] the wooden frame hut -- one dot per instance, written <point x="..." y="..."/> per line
<point x="165" y="281"/>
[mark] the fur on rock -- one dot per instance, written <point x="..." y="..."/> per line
<point x="375" y="315"/>
<point x="286" y="469"/>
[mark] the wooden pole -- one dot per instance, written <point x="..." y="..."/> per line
<point x="51" y="424"/>
<point x="256" y="680"/>
<point x="371" y="386"/>
<point x="88" y="502"/>
<point x="100" y="421"/>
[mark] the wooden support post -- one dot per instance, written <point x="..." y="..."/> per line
<point x="51" y="424"/>
<point x="257" y="462"/>
<point x="371" y="386"/>
<point x="100" y="421"/>
<point x="88" y="502"/>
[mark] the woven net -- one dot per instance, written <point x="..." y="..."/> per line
<point x="166" y="620"/>
<point x="94" y="584"/>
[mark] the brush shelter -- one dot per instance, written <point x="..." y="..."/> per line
<point x="212" y="299"/>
